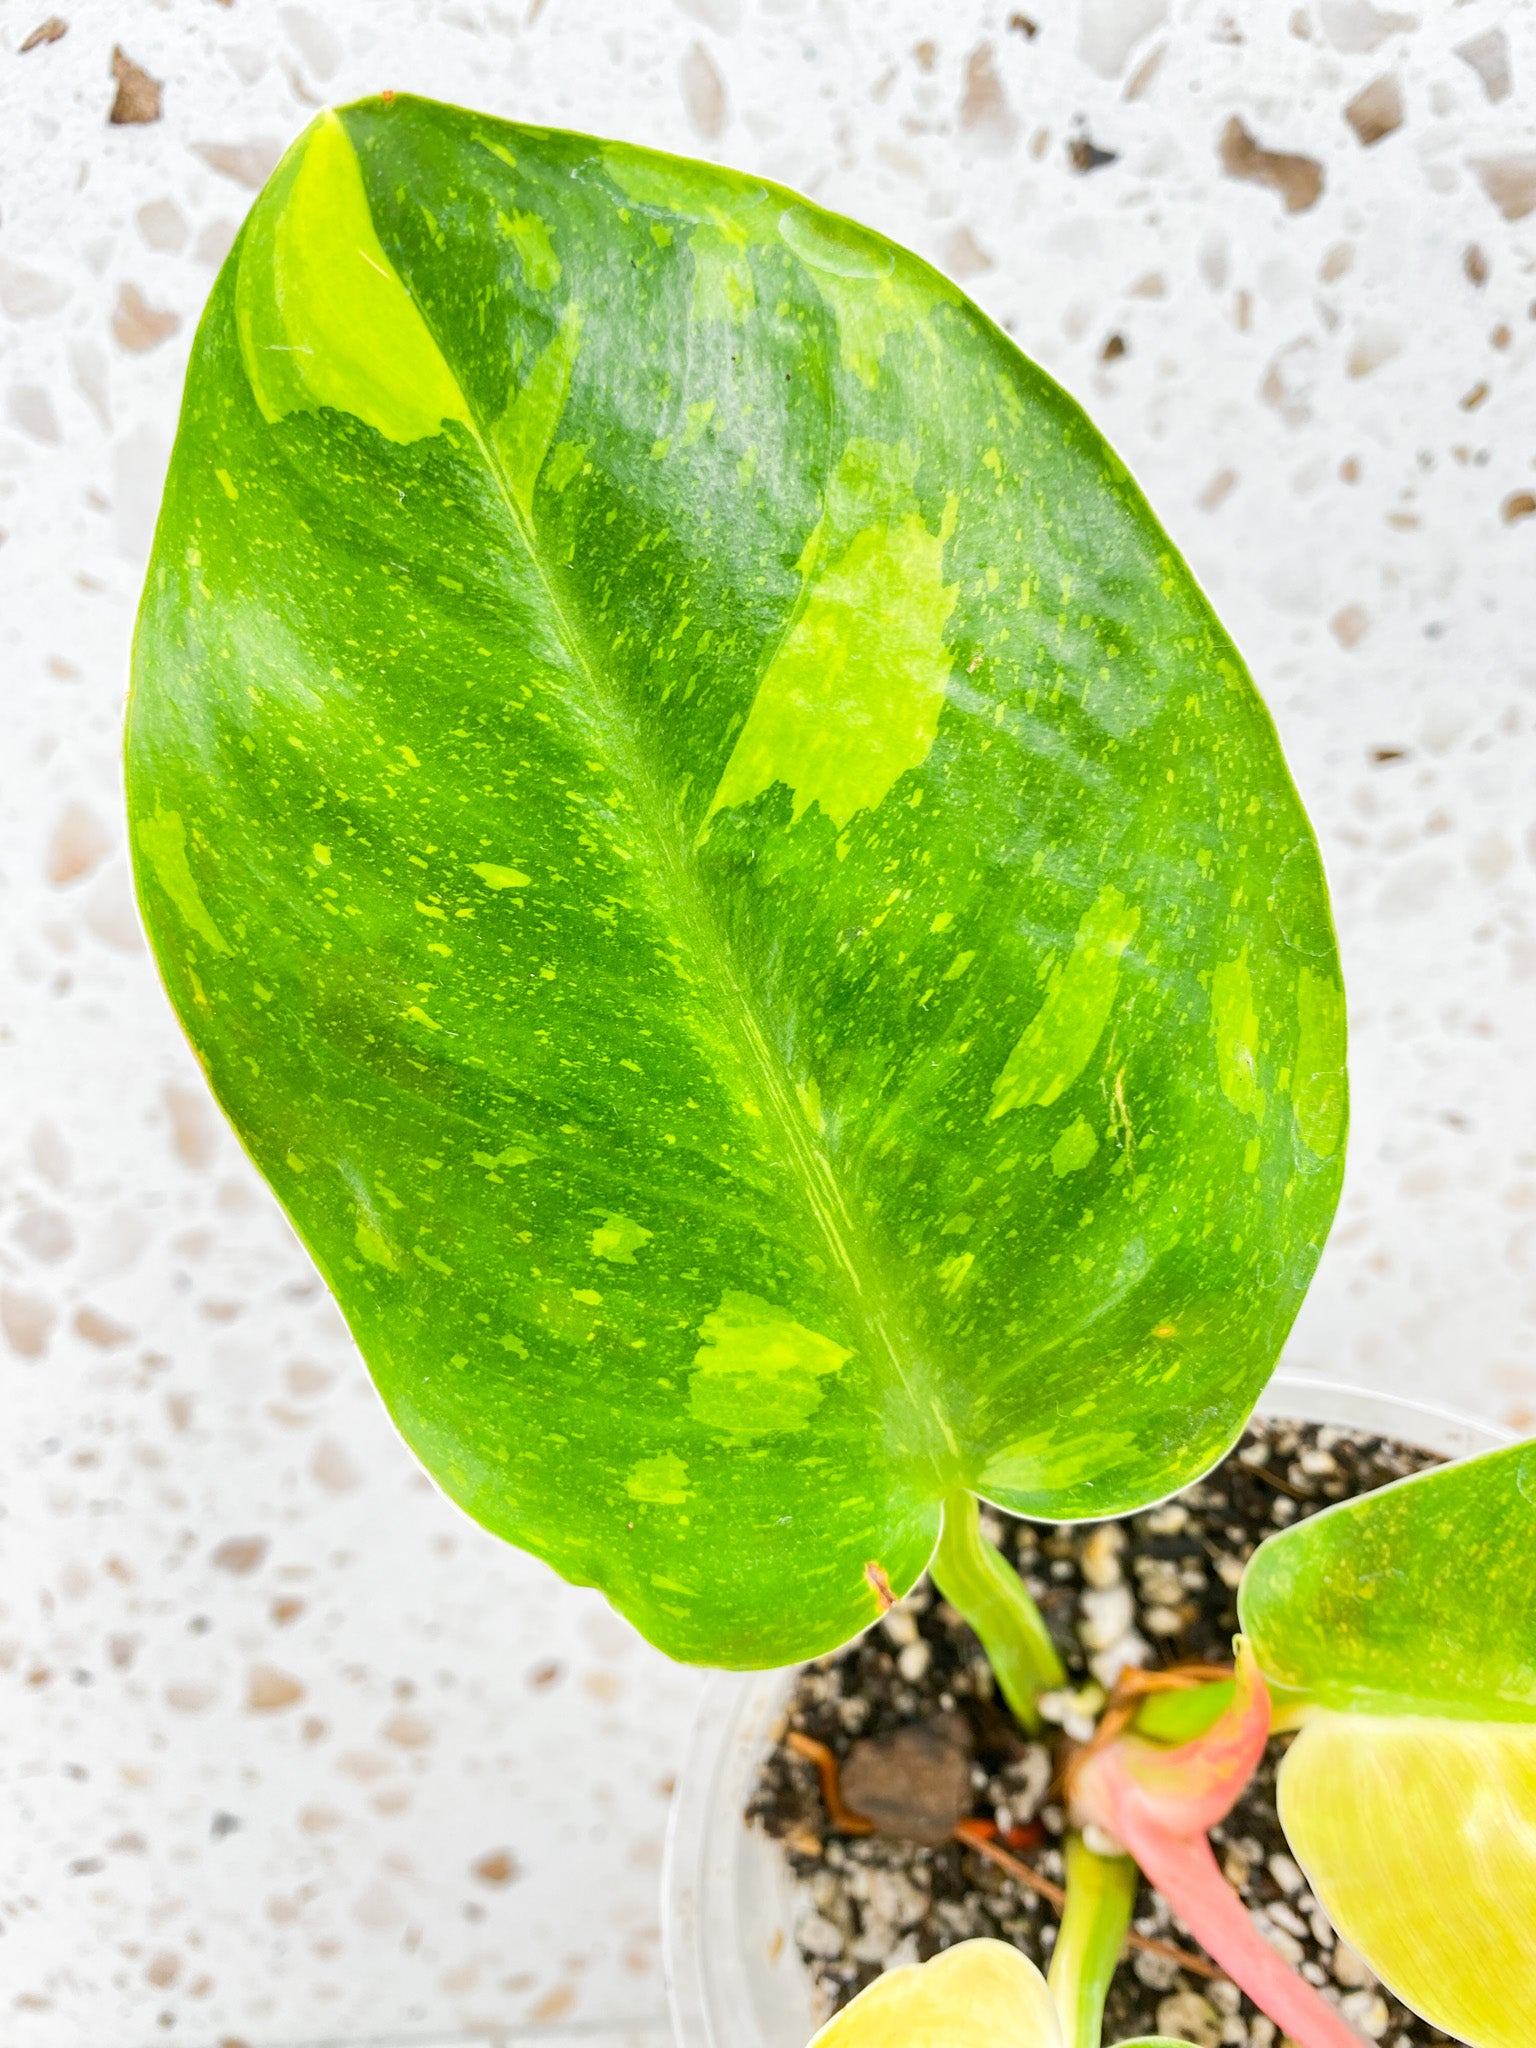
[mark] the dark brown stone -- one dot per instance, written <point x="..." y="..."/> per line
<point x="915" y="1783"/>
<point x="1084" y="154"/>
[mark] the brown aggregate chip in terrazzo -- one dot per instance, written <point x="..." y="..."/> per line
<point x="137" y="99"/>
<point x="1165" y="1580"/>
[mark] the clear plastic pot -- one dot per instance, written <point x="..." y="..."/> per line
<point x="734" y="1976"/>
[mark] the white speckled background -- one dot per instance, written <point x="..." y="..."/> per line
<point x="289" y="1751"/>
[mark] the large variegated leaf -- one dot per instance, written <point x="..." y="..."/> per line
<point x="723" y="870"/>
<point x="1403" y="1627"/>
<point x="979" y="1994"/>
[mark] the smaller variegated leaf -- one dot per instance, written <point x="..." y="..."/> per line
<point x="979" y="1994"/>
<point x="1402" y="1627"/>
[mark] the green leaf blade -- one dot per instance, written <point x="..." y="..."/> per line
<point x="1416" y="1599"/>
<point x="530" y="839"/>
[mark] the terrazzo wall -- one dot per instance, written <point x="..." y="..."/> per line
<point x="289" y="1751"/>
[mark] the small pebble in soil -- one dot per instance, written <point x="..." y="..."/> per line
<point x="910" y="1712"/>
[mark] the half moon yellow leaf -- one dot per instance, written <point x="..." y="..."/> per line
<point x="1419" y="1837"/>
<point x="980" y="1994"/>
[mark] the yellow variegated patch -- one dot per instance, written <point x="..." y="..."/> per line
<point x="757" y="1370"/>
<point x="980" y="1994"/>
<point x="322" y="314"/>
<point x="1059" y="1041"/>
<point x="1419" y="1837"/>
<point x="524" y="432"/>
<point x="1318" y="1088"/>
<point x="851" y="700"/>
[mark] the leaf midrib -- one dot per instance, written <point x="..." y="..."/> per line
<point x="714" y="957"/>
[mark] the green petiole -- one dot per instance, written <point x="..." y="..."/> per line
<point x="1101" y="1891"/>
<point x="979" y="1583"/>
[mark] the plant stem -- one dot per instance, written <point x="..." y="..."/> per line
<point x="1184" y="1871"/>
<point x="979" y="1583"/>
<point x="1101" y="1890"/>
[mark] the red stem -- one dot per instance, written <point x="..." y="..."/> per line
<point x="1190" y="1788"/>
<point x="1184" y="1870"/>
<point x="1159" y="1802"/>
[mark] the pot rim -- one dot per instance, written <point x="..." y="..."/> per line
<point x="726" y="1918"/>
